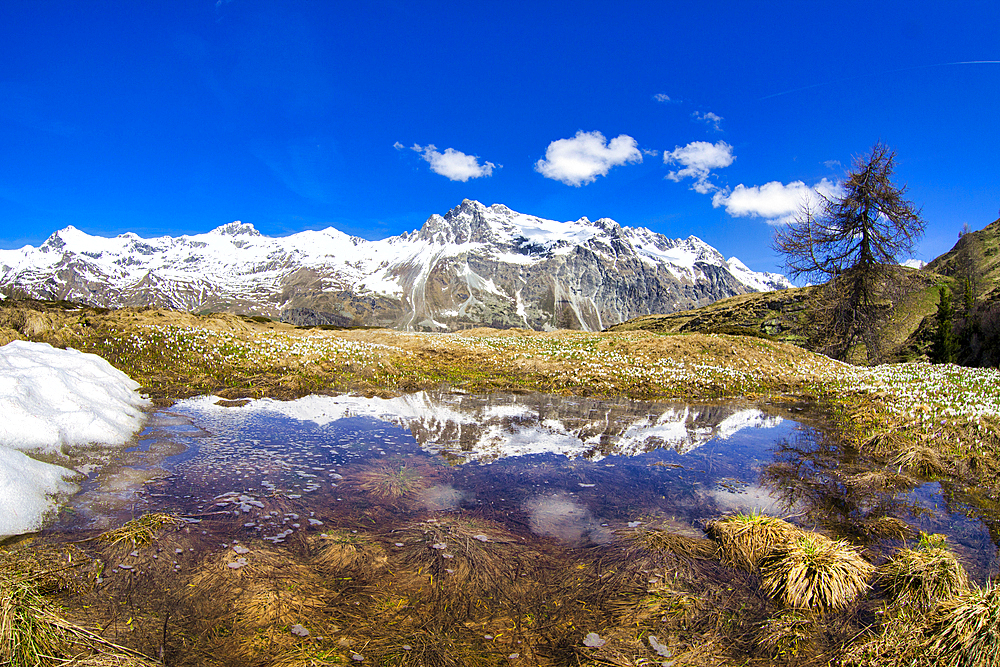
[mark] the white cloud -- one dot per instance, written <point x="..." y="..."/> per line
<point x="661" y="97"/>
<point x="709" y="118"/>
<point x="699" y="158"/>
<point x="586" y="156"/>
<point x="775" y="202"/>
<point x="452" y="164"/>
<point x="398" y="146"/>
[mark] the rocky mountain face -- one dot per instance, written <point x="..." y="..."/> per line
<point x="474" y="266"/>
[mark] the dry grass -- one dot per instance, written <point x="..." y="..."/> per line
<point x="744" y="539"/>
<point x="110" y="659"/>
<point x="787" y="635"/>
<point x="141" y="531"/>
<point x="432" y="647"/>
<point x="338" y="550"/>
<point x="965" y="630"/>
<point x="923" y="576"/>
<point x="922" y="459"/>
<point x="880" y="480"/>
<point x="813" y="571"/>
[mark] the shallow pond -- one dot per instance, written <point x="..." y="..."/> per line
<point x="451" y="529"/>
<point x="570" y="469"/>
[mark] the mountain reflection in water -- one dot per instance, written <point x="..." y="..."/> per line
<point x="485" y="428"/>
<point x="567" y="468"/>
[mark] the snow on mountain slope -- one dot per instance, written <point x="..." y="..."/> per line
<point x="473" y="265"/>
<point x="758" y="281"/>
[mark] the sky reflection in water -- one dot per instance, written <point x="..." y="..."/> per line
<point x="572" y="469"/>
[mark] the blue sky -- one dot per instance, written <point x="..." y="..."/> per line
<point x="176" y="116"/>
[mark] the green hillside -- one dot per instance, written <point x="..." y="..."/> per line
<point x="789" y="315"/>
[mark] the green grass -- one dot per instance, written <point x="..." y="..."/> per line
<point x="30" y="633"/>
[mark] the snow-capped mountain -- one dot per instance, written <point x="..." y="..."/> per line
<point x="475" y="265"/>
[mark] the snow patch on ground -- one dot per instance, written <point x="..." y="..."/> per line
<point x="26" y="490"/>
<point x="51" y="400"/>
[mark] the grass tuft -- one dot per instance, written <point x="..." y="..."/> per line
<point x="744" y="539"/>
<point x="390" y="482"/>
<point x="30" y="633"/>
<point x="923" y="460"/>
<point x="923" y="576"/>
<point x="813" y="571"/>
<point x="964" y="630"/>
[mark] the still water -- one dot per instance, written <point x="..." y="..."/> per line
<point x="573" y="470"/>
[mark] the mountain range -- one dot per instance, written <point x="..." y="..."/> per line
<point x="473" y="266"/>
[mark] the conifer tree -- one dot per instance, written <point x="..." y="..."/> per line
<point x="854" y="242"/>
<point x="945" y="346"/>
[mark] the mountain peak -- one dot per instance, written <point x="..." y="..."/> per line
<point x="59" y="239"/>
<point x="236" y="228"/>
<point x="469" y="222"/>
<point x="476" y="264"/>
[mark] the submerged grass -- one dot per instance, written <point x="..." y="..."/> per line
<point x="468" y="556"/>
<point x="390" y="481"/>
<point x="258" y="588"/>
<point x="141" y="531"/>
<point x="788" y="635"/>
<point x="681" y="545"/>
<point x="338" y="550"/>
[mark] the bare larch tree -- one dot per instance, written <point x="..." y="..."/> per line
<point x="852" y="243"/>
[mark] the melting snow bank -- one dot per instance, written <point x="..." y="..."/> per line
<point x="51" y="400"/>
